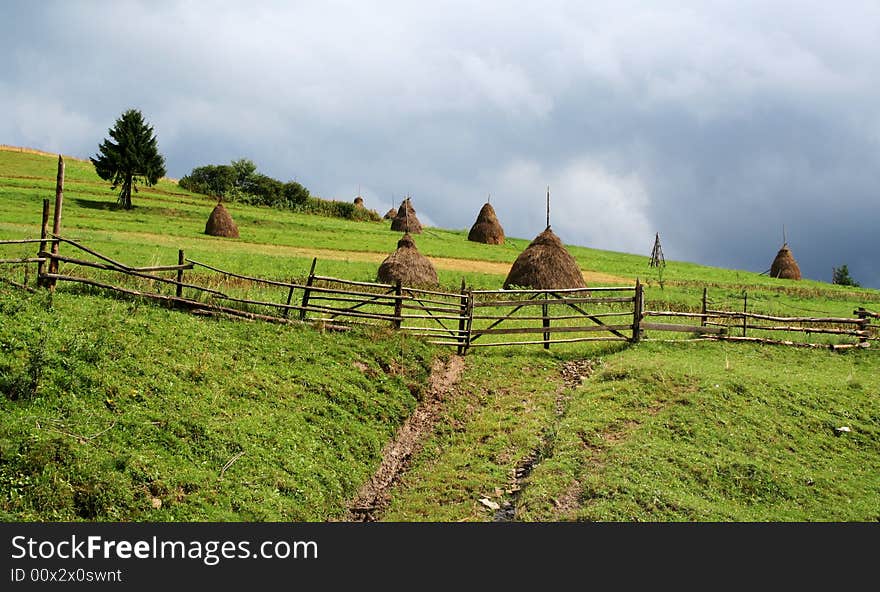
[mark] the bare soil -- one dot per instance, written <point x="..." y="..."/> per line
<point x="375" y="494"/>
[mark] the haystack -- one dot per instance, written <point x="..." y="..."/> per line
<point x="544" y="265"/>
<point x="359" y="202"/>
<point x="390" y="214"/>
<point x="405" y="220"/>
<point x="784" y="266"/>
<point x="487" y="229"/>
<point x="407" y="266"/>
<point x="220" y="223"/>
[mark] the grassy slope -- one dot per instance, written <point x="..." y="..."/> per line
<point x="110" y="405"/>
<point x="649" y="437"/>
<point x="659" y="432"/>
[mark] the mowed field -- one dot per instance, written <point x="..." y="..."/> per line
<point x="117" y="409"/>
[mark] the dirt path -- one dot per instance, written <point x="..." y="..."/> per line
<point x="573" y="374"/>
<point x="374" y="495"/>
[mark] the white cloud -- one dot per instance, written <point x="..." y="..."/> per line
<point x="589" y="205"/>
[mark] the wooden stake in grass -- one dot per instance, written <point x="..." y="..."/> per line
<point x="305" y="299"/>
<point x="704" y="318"/>
<point x="44" y="232"/>
<point x="180" y="261"/>
<point x="56" y="223"/>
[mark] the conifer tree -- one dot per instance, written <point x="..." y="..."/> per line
<point x="131" y="157"/>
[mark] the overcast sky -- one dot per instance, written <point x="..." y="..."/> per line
<point x="713" y="123"/>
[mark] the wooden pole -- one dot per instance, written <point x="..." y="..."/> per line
<point x="56" y="223"/>
<point x="462" y="320"/>
<point x="398" y="304"/>
<point x="289" y="298"/>
<point x="306" y="291"/>
<point x="704" y="318"/>
<point x="44" y="232"/>
<point x="864" y="325"/>
<point x="745" y="310"/>
<point x="548" y="206"/>
<point x="470" y="320"/>
<point x="545" y="322"/>
<point x="180" y="261"/>
<point x="637" y="313"/>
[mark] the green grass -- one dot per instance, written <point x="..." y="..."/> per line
<point x="659" y="432"/>
<point x="112" y="406"/>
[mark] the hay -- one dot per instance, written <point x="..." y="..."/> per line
<point x="405" y="220"/>
<point x="784" y="266"/>
<point x="487" y="229"/>
<point x="220" y="223"/>
<point x="545" y="264"/>
<point x="359" y="202"/>
<point x="390" y="214"/>
<point x="407" y="266"/>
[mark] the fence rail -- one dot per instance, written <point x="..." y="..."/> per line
<point x="464" y="319"/>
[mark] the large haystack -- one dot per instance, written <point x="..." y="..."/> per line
<point x="405" y="220"/>
<point x="487" y="229"/>
<point x="407" y="266"/>
<point x="784" y="266"/>
<point x="220" y="223"/>
<point x="545" y="264"/>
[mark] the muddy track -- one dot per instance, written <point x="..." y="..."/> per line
<point x="573" y="374"/>
<point x="375" y="494"/>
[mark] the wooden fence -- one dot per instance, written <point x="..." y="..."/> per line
<point x="464" y="319"/>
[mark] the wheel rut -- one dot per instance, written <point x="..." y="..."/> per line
<point x="374" y="496"/>
<point x="573" y="374"/>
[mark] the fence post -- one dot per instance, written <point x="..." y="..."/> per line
<point x="462" y="321"/>
<point x="398" y="304"/>
<point x="864" y="324"/>
<point x="637" y="313"/>
<point x="704" y="319"/>
<point x="44" y="232"/>
<point x="745" y="310"/>
<point x="289" y="298"/>
<point x="56" y="222"/>
<point x="180" y="259"/>
<point x="545" y="321"/>
<point x="305" y="298"/>
<point x="470" y="319"/>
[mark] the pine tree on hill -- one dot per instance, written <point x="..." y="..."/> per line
<point x="132" y="158"/>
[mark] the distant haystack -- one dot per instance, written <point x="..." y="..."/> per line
<point x="544" y="265"/>
<point x="405" y="220"/>
<point x="487" y="229"/>
<point x="359" y="202"/>
<point x="784" y="265"/>
<point x="220" y="223"/>
<point x="390" y="214"/>
<point x="407" y="266"/>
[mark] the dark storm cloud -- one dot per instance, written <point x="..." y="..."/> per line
<point x="712" y="123"/>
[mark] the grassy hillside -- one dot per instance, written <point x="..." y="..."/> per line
<point x="117" y="411"/>
<point x="656" y="432"/>
<point x="114" y="409"/>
